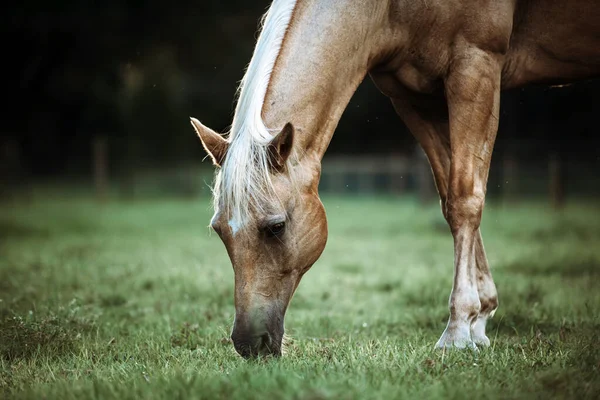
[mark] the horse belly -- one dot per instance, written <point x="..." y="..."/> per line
<point x="553" y="41"/>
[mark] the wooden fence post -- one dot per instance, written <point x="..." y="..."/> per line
<point x="100" y="167"/>
<point x="365" y="176"/>
<point x="557" y="184"/>
<point x="397" y="168"/>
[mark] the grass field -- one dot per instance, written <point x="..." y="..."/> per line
<point x="135" y="300"/>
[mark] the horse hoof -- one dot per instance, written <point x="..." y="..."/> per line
<point x="455" y="340"/>
<point x="483" y="341"/>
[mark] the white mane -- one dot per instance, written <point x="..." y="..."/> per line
<point x="244" y="178"/>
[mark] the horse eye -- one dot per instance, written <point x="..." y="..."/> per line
<point x="276" y="229"/>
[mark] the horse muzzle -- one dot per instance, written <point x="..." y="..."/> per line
<point x="259" y="335"/>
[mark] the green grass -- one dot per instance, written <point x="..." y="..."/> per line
<point x="135" y="300"/>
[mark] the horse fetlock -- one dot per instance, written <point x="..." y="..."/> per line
<point x="464" y="306"/>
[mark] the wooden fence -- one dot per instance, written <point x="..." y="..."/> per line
<point x="394" y="174"/>
<point x="511" y="178"/>
<point x="397" y="174"/>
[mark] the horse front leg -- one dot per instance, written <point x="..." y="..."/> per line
<point x="473" y="94"/>
<point x="428" y="122"/>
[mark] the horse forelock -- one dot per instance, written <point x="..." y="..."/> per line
<point x="244" y="181"/>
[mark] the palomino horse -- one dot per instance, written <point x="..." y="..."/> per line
<point x="443" y="64"/>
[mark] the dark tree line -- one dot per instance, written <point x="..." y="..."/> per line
<point x="135" y="70"/>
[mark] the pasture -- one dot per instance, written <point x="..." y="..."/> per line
<point x="134" y="299"/>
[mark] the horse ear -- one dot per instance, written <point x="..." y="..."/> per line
<point x="215" y="145"/>
<point x="281" y="145"/>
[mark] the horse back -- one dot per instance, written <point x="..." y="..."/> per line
<point x="541" y="41"/>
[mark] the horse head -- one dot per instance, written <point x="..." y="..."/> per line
<point x="273" y="225"/>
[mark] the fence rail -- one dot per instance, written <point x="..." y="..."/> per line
<point x="512" y="177"/>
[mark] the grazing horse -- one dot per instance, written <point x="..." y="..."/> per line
<point x="443" y="64"/>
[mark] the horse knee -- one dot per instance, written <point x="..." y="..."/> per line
<point x="464" y="211"/>
<point x="464" y="304"/>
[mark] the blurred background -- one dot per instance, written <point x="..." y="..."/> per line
<point x="99" y="96"/>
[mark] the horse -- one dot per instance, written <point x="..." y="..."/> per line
<point x="443" y="64"/>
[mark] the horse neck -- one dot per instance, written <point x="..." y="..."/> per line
<point x="326" y="53"/>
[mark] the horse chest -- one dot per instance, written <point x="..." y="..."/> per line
<point x="394" y="83"/>
<point x="415" y="79"/>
